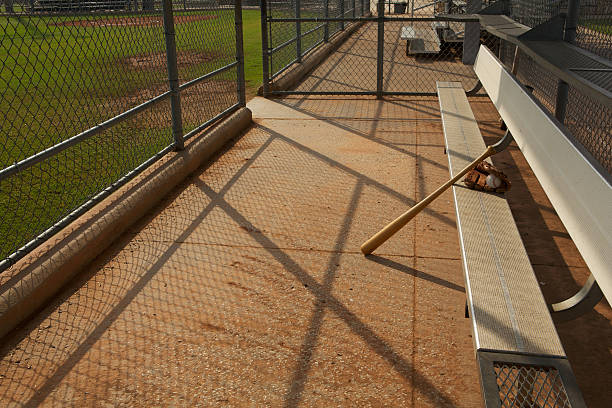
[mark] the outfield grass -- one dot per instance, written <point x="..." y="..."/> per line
<point x="603" y="26"/>
<point x="60" y="76"/>
<point x="57" y="80"/>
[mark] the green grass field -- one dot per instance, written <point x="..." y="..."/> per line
<point x="60" y="76"/>
<point x="63" y="75"/>
<point x="600" y="25"/>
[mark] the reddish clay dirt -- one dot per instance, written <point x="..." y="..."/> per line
<point x="132" y="21"/>
<point x="158" y="60"/>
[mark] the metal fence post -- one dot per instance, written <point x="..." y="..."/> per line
<point x="380" y="49"/>
<point x="326" y="15"/>
<point x="239" y="53"/>
<point x="571" y="21"/>
<point x="354" y="5"/>
<point x="298" y="30"/>
<point x="341" y="14"/>
<point x="265" y="49"/>
<point x="471" y="38"/>
<point x="171" y="60"/>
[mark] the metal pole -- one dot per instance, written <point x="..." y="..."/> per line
<point x="571" y="21"/>
<point x="239" y="53"/>
<point x="175" y="96"/>
<point x="298" y="31"/>
<point x="342" y="14"/>
<point x="326" y="29"/>
<point x="471" y="37"/>
<point x="380" y="49"/>
<point x="265" y="49"/>
<point x="354" y="3"/>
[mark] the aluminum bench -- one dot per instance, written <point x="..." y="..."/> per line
<point x="420" y="40"/>
<point x="521" y="359"/>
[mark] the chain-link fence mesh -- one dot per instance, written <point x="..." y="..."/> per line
<point x="594" y="31"/>
<point x="290" y="41"/>
<point x="594" y="28"/>
<point x="417" y="48"/>
<point x="589" y="121"/>
<point x="432" y="52"/>
<point x="85" y="101"/>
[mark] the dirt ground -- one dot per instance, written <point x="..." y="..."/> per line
<point x="246" y="287"/>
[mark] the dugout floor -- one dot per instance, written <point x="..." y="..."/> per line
<point x="246" y="287"/>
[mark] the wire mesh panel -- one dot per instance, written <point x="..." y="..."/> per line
<point x="206" y="59"/>
<point x="414" y="48"/>
<point x="85" y="101"/>
<point x="292" y="33"/>
<point x="589" y="121"/>
<point x="594" y="32"/>
<point x="530" y="386"/>
<point x="534" y="12"/>
<point x="351" y="68"/>
<point x="417" y="54"/>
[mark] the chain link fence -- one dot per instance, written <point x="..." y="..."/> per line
<point x="93" y="92"/>
<point x="588" y="120"/>
<point x="289" y="39"/>
<point x="594" y="22"/>
<point x="401" y="48"/>
<point x="406" y="47"/>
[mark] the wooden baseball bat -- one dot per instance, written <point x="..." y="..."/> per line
<point x="395" y="225"/>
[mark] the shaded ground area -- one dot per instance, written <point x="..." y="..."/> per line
<point x="246" y="287"/>
<point x="352" y="68"/>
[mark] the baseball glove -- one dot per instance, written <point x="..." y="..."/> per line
<point x="486" y="177"/>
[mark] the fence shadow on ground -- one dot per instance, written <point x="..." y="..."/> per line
<point x="231" y="291"/>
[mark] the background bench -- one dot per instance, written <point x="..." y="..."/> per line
<point x="520" y="356"/>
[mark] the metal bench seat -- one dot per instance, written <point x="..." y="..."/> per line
<point x="420" y="40"/>
<point x="520" y="355"/>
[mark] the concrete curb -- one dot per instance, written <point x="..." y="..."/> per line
<point x="30" y="283"/>
<point x="294" y="75"/>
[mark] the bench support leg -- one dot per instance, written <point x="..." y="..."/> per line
<point x="474" y="90"/>
<point x="582" y="302"/>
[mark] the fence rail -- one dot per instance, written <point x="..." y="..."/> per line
<point x="92" y="93"/>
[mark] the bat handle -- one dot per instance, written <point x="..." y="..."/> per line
<point x="387" y="232"/>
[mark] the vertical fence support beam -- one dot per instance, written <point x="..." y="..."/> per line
<point x="298" y="31"/>
<point x="471" y="38"/>
<point x="265" y="49"/>
<point x="380" y="49"/>
<point x="326" y="15"/>
<point x="341" y="14"/>
<point x="571" y="21"/>
<point x="239" y="53"/>
<point x="171" y="61"/>
<point x="354" y="5"/>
